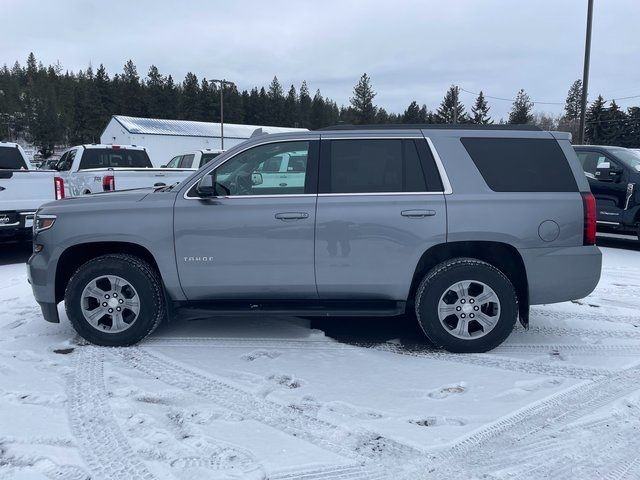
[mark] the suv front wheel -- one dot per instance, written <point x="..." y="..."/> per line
<point x="115" y="300"/>
<point x="466" y="306"/>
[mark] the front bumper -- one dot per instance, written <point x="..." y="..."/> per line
<point x="41" y="275"/>
<point x="561" y="274"/>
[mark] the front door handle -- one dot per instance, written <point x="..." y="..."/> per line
<point x="287" y="216"/>
<point x="418" y="213"/>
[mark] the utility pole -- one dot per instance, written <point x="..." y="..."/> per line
<point x="585" y="73"/>
<point x="222" y="83"/>
<point x="455" y="105"/>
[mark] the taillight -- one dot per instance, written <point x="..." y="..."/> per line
<point x="589" y="207"/>
<point x="58" y="185"/>
<point x="108" y="183"/>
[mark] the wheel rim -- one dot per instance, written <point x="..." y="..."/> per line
<point x="469" y="309"/>
<point x="110" y="304"/>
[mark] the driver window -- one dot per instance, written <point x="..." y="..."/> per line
<point x="174" y="162"/>
<point x="257" y="171"/>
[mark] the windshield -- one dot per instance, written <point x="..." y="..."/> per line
<point x="628" y="157"/>
<point x="11" y="159"/>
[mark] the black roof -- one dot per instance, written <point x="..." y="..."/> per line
<point x="433" y="126"/>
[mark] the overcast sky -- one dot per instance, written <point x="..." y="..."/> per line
<point x="411" y="49"/>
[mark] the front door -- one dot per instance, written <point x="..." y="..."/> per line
<point x="250" y="241"/>
<point x="610" y="193"/>
<point x="380" y="207"/>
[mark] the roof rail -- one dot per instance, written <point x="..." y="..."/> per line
<point x="433" y="126"/>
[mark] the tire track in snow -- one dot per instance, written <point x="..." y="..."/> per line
<point x="353" y="472"/>
<point x="358" y="444"/>
<point x="539" y="432"/>
<point x="494" y="361"/>
<point x="102" y="444"/>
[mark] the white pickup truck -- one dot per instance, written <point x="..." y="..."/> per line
<point x="86" y="169"/>
<point x="22" y="191"/>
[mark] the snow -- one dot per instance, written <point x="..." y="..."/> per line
<point x="254" y="398"/>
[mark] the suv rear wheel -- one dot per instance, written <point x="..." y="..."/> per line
<point x="115" y="300"/>
<point x="466" y="306"/>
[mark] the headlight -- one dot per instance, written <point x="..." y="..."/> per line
<point x="43" y="222"/>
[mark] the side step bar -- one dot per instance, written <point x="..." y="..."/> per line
<point x="294" y="308"/>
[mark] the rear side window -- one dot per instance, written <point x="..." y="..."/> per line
<point x="374" y="166"/>
<point x="113" y="158"/>
<point x="11" y="159"/>
<point x="521" y="164"/>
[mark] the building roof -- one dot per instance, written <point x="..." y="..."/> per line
<point x="188" y="128"/>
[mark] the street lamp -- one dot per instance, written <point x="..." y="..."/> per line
<point x="222" y="83"/>
<point x="585" y="73"/>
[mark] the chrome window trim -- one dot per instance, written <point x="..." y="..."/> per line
<point x="439" y="165"/>
<point x="377" y="194"/>
<point x="443" y="173"/>
<point x="602" y="222"/>
<point x="192" y="185"/>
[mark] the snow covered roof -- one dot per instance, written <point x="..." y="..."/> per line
<point x="188" y="128"/>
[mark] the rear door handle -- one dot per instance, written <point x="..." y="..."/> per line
<point x="418" y="213"/>
<point x="286" y="216"/>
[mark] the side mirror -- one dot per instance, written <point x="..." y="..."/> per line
<point x="163" y="166"/>
<point x="256" y="179"/>
<point x="605" y="173"/>
<point x="206" y="188"/>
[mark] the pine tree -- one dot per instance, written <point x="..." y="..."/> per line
<point x="595" y="126"/>
<point x="316" y="119"/>
<point x="131" y="101"/>
<point x="291" y="108"/>
<point x="155" y="95"/>
<point x="632" y="137"/>
<point x="480" y="111"/>
<point x="413" y="114"/>
<point x="451" y="110"/>
<point x="276" y="103"/>
<point x="614" y="125"/>
<point x="190" y="108"/>
<point x="362" y="101"/>
<point x="304" y="106"/>
<point x="573" y="104"/>
<point x="521" y="111"/>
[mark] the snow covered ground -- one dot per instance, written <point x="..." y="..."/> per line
<point x="273" y="398"/>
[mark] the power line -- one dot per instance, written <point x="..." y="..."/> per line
<point x="543" y="103"/>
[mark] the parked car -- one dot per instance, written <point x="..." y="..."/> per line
<point x="22" y="191"/>
<point x="86" y="169"/>
<point x="193" y="160"/>
<point x="614" y="177"/>
<point x="462" y="228"/>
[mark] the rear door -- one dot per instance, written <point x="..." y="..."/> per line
<point x="380" y="207"/>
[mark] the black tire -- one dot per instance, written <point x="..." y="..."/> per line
<point x="140" y="275"/>
<point x="436" y="283"/>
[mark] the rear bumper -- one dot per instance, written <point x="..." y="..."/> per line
<point x="561" y="274"/>
<point x="15" y="223"/>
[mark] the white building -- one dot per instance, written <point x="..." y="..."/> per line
<point x="164" y="139"/>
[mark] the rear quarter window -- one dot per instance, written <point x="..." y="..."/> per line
<point x="521" y="164"/>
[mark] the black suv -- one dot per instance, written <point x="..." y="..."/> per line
<point x="614" y="178"/>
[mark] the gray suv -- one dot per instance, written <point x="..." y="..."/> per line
<point x="461" y="228"/>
